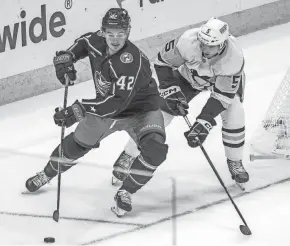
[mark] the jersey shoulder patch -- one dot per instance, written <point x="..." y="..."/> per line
<point x="126" y="57"/>
<point x="130" y="55"/>
<point x="127" y="60"/>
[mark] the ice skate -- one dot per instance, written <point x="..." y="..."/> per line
<point x="37" y="181"/>
<point x="121" y="168"/>
<point x="123" y="203"/>
<point x="238" y="172"/>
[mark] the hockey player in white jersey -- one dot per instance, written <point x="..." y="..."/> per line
<point x="205" y="58"/>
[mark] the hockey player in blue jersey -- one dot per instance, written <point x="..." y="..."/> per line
<point x="127" y="98"/>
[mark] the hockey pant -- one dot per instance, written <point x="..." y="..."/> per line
<point x="233" y="131"/>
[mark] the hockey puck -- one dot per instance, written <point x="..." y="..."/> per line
<point x="49" y="239"/>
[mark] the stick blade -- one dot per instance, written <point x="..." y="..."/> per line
<point x="245" y="230"/>
<point x="55" y="215"/>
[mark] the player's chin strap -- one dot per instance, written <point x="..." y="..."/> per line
<point x="56" y="212"/>
<point x="243" y="228"/>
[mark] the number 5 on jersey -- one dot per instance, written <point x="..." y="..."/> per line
<point x="236" y="80"/>
<point x="126" y="82"/>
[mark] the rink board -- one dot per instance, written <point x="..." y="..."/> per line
<point x="42" y="79"/>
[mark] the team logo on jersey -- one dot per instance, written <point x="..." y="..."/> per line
<point x="102" y="85"/>
<point x="126" y="57"/>
<point x="201" y="81"/>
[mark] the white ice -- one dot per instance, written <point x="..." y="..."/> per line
<point x="28" y="136"/>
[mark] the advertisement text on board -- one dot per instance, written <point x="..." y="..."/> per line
<point x="55" y="25"/>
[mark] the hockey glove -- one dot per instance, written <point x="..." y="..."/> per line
<point x="69" y="115"/>
<point x="63" y="63"/>
<point x="199" y="131"/>
<point x="174" y="100"/>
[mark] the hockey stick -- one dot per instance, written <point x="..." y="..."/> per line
<point x="243" y="228"/>
<point x="269" y="157"/>
<point x="56" y="212"/>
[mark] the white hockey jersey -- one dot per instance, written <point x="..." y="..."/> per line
<point x="222" y="74"/>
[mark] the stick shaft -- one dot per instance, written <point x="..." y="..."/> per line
<point x="67" y="81"/>
<point x="217" y="174"/>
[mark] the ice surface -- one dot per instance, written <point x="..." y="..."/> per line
<point x="28" y="136"/>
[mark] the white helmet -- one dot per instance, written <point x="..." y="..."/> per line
<point x="214" y="32"/>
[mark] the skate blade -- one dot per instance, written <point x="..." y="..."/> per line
<point x="115" y="181"/>
<point x="118" y="211"/>
<point x="242" y="186"/>
<point x="29" y="193"/>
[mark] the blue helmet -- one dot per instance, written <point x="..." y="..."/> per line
<point x="116" y="18"/>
